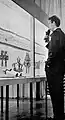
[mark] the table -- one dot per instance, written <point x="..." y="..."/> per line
<point x="19" y="80"/>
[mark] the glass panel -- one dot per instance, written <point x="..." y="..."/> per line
<point x="14" y="18"/>
<point x="40" y="50"/>
<point x="16" y="44"/>
<point x="15" y="40"/>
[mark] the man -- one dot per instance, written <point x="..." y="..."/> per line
<point x="55" y="67"/>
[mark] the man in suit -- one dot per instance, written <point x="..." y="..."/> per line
<point x="54" y="67"/>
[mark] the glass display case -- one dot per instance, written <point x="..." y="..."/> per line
<point x="16" y="43"/>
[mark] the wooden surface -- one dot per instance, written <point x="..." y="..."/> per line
<point x="21" y="80"/>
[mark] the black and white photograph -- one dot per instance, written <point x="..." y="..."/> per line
<point x="32" y="59"/>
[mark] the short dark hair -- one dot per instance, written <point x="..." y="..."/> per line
<point x="55" y="19"/>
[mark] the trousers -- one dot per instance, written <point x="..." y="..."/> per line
<point x="55" y="84"/>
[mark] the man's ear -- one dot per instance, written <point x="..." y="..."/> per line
<point x="54" y="23"/>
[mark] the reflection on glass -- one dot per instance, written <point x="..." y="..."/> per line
<point x="40" y="50"/>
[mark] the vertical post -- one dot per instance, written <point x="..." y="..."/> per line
<point x="33" y="47"/>
<point x="1" y="99"/>
<point x="31" y="92"/>
<point x="23" y="89"/>
<point x="31" y="99"/>
<point x="33" y="52"/>
<point x="38" y="90"/>
<point x="46" y="99"/>
<point x="41" y="88"/>
<point x="17" y="95"/>
<point x="7" y="102"/>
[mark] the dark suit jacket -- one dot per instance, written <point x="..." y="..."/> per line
<point x="56" y="55"/>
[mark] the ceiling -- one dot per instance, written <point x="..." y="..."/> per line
<point x="31" y="7"/>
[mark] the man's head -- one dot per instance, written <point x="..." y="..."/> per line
<point x="53" y="22"/>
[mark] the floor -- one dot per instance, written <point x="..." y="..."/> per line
<point x="26" y="110"/>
